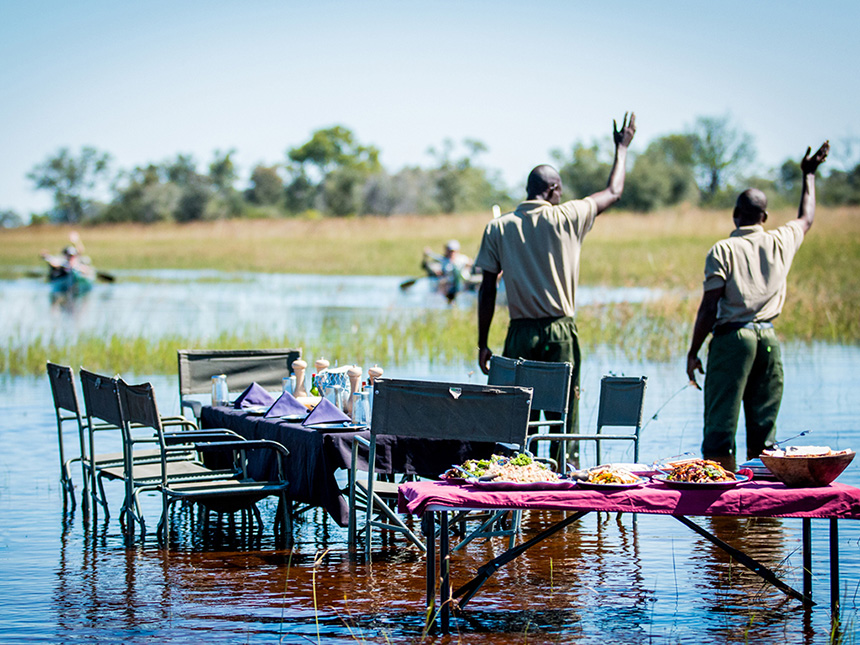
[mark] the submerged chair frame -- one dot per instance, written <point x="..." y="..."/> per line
<point x="138" y="469"/>
<point x="428" y="410"/>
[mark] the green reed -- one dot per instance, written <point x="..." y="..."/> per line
<point x="663" y="251"/>
<point x="657" y="330"/>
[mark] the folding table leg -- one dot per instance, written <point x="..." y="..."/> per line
<point x="834" y="569"/>
<point x="445" y="570"/>
<point x="807" y="558"/>
<point x="485" y="571"/>
<point x="430" y="532"/>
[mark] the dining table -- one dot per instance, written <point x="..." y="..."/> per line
<point x="317" y="453"/>
<point x="745" y="498"/>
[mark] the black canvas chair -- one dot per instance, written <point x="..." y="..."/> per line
<point x="550" y="384"/>
<point x="138" y="464"/>
<point x="407" y="409"/>
<point x="267" y="367"/>
<point x="93" y="464"/>
<point x="67" y="409"/>
<point x="222" y="491"/>
<point x="622" y="399"/>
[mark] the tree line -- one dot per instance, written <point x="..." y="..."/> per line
<point x="334" y="174"/>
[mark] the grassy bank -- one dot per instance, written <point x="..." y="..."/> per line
<point x="664" y="251"/>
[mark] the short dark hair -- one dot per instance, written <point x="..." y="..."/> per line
<point x="750" y="206"/>
<point x="541" y="179"/>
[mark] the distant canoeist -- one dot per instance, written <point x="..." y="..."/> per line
<point x="454" y="269"/>
<point x="70" y="273"/>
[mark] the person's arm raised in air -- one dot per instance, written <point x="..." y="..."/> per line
<point x="612" y="193"/>
<point x="808" y="166"/>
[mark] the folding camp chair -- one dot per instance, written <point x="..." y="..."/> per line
<point x="137" y="468"/>
<point x="222" y="491"/>
<point x="428" y="410"/>
<point x="550" y="384"/>
<point x="267" y="367"/>
<point x="67" y="408"/>
<point x="622" y="399"/>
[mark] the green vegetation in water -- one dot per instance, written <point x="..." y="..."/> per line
<point x="656" y="331"/>
<point x="664" y="251"/>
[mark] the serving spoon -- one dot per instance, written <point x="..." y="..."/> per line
<point x="802" y="434"/>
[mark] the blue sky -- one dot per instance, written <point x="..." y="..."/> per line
<point x="147" y="80"/>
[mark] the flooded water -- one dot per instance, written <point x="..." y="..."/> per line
<point x="627" y="579"/>
<point x="205" y="304"/>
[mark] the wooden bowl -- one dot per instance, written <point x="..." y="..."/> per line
<point x="807" y="472"/>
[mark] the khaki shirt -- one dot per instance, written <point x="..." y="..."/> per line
<point x="753" y="265"/>
<point x="537" y="248"/>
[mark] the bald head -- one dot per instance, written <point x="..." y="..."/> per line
<point x="751" y="207"/>
<point x="544" y="183"/>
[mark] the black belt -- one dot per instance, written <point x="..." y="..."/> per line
<point x="725" y="328"/>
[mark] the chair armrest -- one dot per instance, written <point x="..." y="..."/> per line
<point x="356" y="441"/>
<point x="169" y="422"/>
<point x="196" y="406"/>
<point x="250" y="444"/>
<point x="208" y="435"/>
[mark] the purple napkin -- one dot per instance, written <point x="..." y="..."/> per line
<point x="253" y="395"/>
<point x="286" y="405"/>
<point x="325" y="412"/>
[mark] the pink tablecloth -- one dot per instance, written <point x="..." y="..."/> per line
<point x="764" y="499"/>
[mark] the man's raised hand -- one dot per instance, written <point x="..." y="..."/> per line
<point x="810" y="164"/>
<point x="624" y="136"/>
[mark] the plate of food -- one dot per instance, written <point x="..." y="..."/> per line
<point x="700" y="473"/>
<point x="519" y="472"/>
<point x="610" y="478"/>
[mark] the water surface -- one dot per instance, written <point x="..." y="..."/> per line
<point x="629" y="579"/>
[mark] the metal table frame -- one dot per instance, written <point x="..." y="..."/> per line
<point x="447" y="598"/>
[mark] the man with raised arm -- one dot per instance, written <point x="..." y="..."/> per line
<point x="744" y="290"/>
<point x="537" y="246"/>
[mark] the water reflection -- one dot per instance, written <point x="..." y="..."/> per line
<point x="727" y="588"/>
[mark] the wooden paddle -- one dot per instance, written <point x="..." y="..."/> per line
<point x="408" y="283"/>
<point x="101" y="275"/>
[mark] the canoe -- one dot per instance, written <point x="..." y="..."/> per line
<point x="71" y="281"/>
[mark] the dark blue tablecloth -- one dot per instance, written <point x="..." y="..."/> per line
<point x="316" y="455"/>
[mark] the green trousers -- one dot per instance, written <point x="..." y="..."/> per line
<point x="744" y="366"/>
<point x="552" y="340"/>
